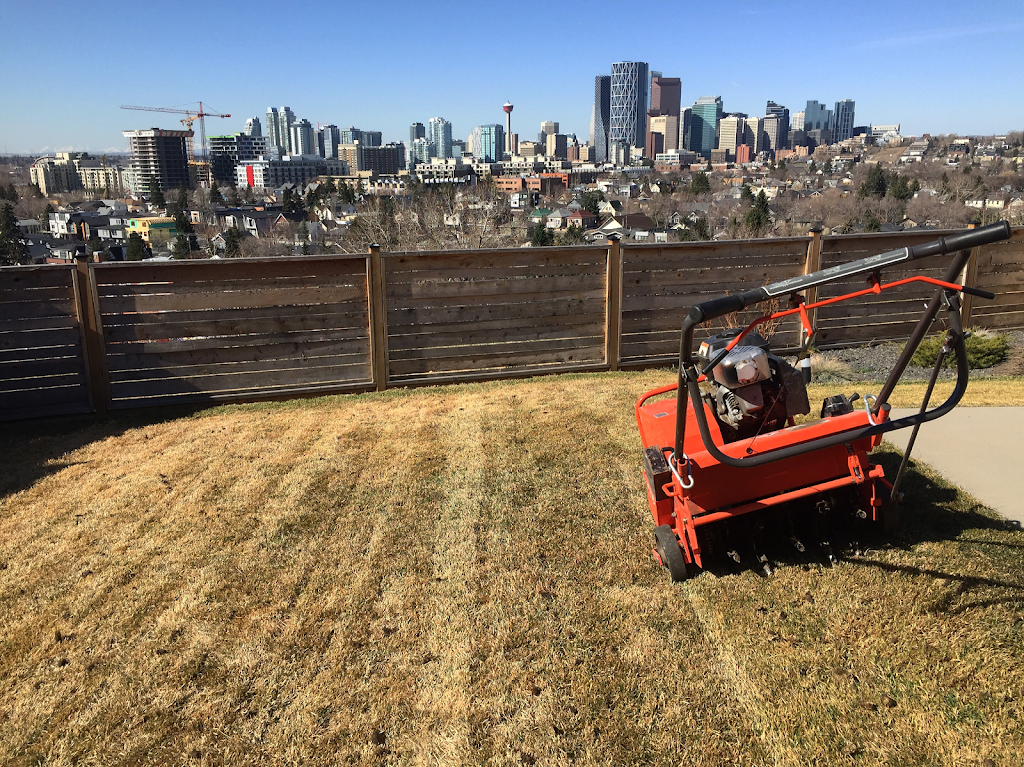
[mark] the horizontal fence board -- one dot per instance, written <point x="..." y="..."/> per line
<point x="486" y="361"/>
<point x="441" y="302"/>
<point x="68" y="335"/>
<point x="408" y="262"/>
<point x="458" y="289"/>
<point x="229" y="369"/>
<point x="343" y="316"/>
<point x="468" y="314"/>
<point x="66" y="395"/>
<point x="254" y="341"/>
<point x="22" y="278"/>
<point x="38" y="353"/>
<point x="259" y="381"/>
<point x="29" y="309"/>
<point x="710" y="262"/>
<point x="685" y="277"/>
<point x="9" y="328"/>
<point x="475" y="334"/>
<point x="226" y="269"/>
<point x="320" y="282"/>
<point x="243" y="395"/>
<point x="521" y="271"/>
<point x="39" y="368"/>
<point x="513" y="347"/>
<point x="283" y="352"/>
<point x="52" y="293"/>
<point x="62" y="380"/>
<point x="241" y="299"/>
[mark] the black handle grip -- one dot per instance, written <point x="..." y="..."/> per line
<point x="978" y="293"/>
<point x="719" y="307"/>
<point x="972" y="238"/>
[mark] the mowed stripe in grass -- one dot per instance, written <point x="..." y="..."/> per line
<point x="462" y="576"/>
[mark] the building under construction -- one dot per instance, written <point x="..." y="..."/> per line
<point x="159" y="160"/>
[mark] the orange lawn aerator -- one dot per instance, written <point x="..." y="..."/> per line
<point x="727" y="446"/>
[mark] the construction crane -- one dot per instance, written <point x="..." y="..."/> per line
<point x="190" y="117"/>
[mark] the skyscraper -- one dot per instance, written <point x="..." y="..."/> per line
<point x="777" y="110"/>
<point x="488" y="142"/>
<point x="816" y="117"/>
<point x="420" y="150"/>
<point x="704" y="117"/>
<point x="650" y="88"/>
<point x="302" y="141"/>
<point x="685" y="123"/>
<point x="439" y="133"/>
<point x="253" y="127"/>
<point x="731" y="130"/>
<point x="327" y="142"/>
<point x="416" y="130"/>
<point x="351" y="135"/>
<point x="279" y="128"/>
<point x="842" y="120"/>
<point x="665" y="96"/>
<point x="601" y="117"/>
<point x="628" y="101"/>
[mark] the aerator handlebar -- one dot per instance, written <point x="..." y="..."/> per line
<point x="708" y="310"/>
<point x="719" y="307"/>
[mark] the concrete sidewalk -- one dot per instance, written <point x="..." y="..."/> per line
<point x="978" y="448"/>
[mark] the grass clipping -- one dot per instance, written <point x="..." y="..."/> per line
<point x="462" y="576"/>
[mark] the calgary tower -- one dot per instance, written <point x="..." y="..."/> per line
<point x="508" y="126"/>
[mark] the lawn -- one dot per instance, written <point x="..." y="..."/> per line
<point x="462" y="575"/>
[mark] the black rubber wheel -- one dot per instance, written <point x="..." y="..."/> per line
<point x="670" y="552"/>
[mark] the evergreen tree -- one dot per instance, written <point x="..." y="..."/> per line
<point x="746" y="196"/>
<point x="700" y="183"/>
<point x="758" y="218"/>
<point x="330" y="187"/>
<point x="232" y="242"/>
<point x="136" y="247"/>
<point x="541" y="236"/>
<point x="156" y="197"/>
<point x="592" y="200"/>
<point x="876" y="184"/>
<point x="700" y="229"/>
<point x="10" y="248"/>
<point x="180" y="249"/>
<point x="233" y="197"/>
<point x="304" y="236"/>
<point x="216" y="198"/>
<point x="94" y="245"/>
<point x="11" y="193"/>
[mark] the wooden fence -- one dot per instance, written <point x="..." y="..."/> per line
<point x="93" y="337"/>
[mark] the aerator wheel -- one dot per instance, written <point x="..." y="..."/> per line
<point x="671" y="554"/>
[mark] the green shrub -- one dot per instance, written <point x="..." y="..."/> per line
<point x="984" y="349"/>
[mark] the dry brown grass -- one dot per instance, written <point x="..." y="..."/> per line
<point x="462" y="576"/>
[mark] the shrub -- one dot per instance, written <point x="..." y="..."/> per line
<point x="984" y="349"/>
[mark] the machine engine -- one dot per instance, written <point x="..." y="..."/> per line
<point x="751" y="390"/>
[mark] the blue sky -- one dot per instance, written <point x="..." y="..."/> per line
<point x="938" y="66"/>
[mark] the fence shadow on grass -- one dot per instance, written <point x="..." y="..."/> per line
<point x="33" y="450"/>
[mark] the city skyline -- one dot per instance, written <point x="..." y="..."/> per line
<point x="907" y="75"/>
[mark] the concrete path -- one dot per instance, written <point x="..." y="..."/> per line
<point x="981" y="449"/>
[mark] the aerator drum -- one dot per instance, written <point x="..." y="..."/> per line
<point x="729" y="471"/>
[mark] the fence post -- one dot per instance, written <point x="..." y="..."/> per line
<point x="812" y="264"/>
<point x="968" y="278"/>
<point x="87" y="304"/>
<point x="378" y="318"/>
<point x="613" y="304"/>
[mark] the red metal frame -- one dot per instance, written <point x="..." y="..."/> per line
<point x="721" y="492"/>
